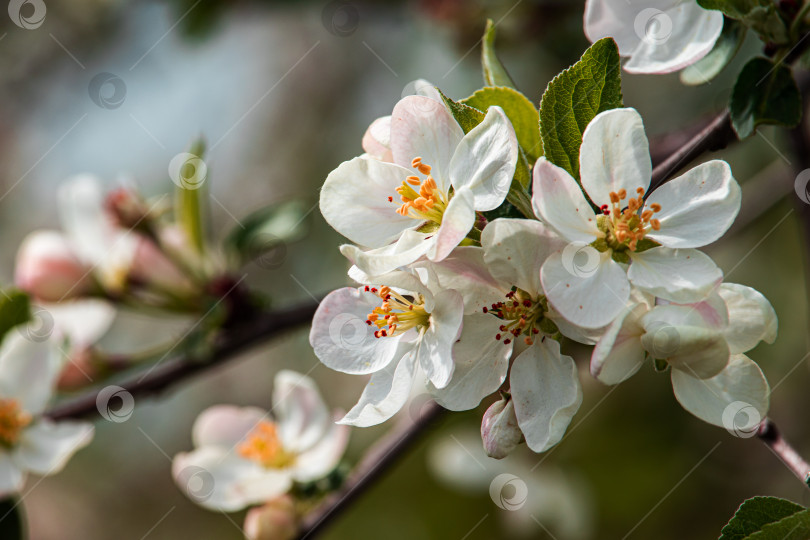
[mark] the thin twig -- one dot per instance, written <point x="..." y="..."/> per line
<point x="769" y="434"/>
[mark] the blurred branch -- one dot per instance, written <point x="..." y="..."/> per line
<point x="231" y="342"/>
<point x="372" y="468"/>
<point x="769" y="434"/>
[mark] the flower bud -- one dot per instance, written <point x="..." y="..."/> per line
<point x="151" y="266"/>
<point x="499" y="429"/>
<point x="377" y="139"/>
<point x="79" y="371"/>
<point x="48" y="269"/>
<point x="126" y="207"/>
<point x="276" y="520"/>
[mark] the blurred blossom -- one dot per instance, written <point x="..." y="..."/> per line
<point x="48" y="269"/>
<point x="275" y="520"/>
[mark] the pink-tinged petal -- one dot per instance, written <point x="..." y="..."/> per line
<point x="612" y="18"/>
<point x="481" y="363"/>
<point x="614" y="155"/>
<point x="225" y="426"/>
<point x="559" y="202"/>
<point x="464" y="270"/>
<point x="422" y="127"/>
<point x="619" y="354"/>
<point x="500" y="432"/>
<point x="377" y="139"/>
<point x="751" y="318"/>
<point x="46" y="446"/>
<point x="485" y="160"/>
<point x="434" y="353"/>
<point x="546" y="392"/>
<point x="354" y="201"/>
<point x="515" y="249"/>
<point x="342" y="339"/>
<point x="29" y="368"/>
<point x="324" y="456"/>
<point x="47" y="268"/>
<point x="591" y="297"/>
<point x="680" y="36"/>
<point x="410" y="247"/>
<point x="679" y="275"/>
<point x="458" y="219"/>
<point x="299" y="410"/>
<point x="698" y="207"/>
<point x="737" y="398"/>
<point x="12" y="477"/>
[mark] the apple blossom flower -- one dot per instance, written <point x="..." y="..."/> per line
<point x="425" y="202"/>
<point x="702" y="343"/>
<point x="47" y="268"/>
<point x="659" y="36"/>
<point x="249" y="456"/>
<point x="275" y="520"/>
<point x="28" y="442"/>
<point x="639" y="238"/>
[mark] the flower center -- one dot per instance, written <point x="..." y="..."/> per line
<point x="12" y="422"/>
<point x="624" y="228"/>
<point x="263" y="446"/>
<point x="397" y="314"/>
<point x="523" y="315"/>
<point x="421" y="200"/>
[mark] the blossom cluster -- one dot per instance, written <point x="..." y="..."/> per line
<point x="461" y="307"/>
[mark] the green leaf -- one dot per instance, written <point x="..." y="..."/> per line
<point x="756" y="513"/>
<point x="494" y="72"/>
<point x="268" y="231"/>
<point x="15" y="309"/>
<point x="795" y="527"/>
<point x="521" y="112"/>
<point x="725" y="48"/>
<point x="762" y="16"/>
<point x="765" y="93"/>
<point x="466" y="116"/>
<point x="191" y="194"/>
<point x="12" y="524"/>
<point x="574" y="98"/>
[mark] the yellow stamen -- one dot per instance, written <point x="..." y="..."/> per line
<point x="12" y="421"/>
<point x="263" y="446"/>
<point x="624" y="228"/>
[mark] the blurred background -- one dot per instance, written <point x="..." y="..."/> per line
<point x="283" y="91"/>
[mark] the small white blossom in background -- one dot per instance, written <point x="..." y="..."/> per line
<point x="247" y="456"/>
<point x="658" y="36"/>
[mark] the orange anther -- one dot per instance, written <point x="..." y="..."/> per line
<point x="655" y="224"/>
<point x="655" y="207"/>
<point x="622" y="194"/>
<point x="424" y="169"/>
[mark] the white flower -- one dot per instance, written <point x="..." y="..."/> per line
<point x="388" y="328"/>
<point x="646" y="242"/>
<point x="659" y="36"/>
<point x="406" y="209"/>
<point x="246" y="456"/>
<point x="702" y="343"/>
<point x="28" y="442"/>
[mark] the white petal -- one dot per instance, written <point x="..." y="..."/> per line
<point x="559" y="202"/>
<point x="225" y="425"/>
<point x="676" y="38"/>
<point x="28" y="370"/>
<point x="546" y="391"/>
<point x="82" y="322"/>
<point x="435" y="350"/>
<point x="485" y="160"/>
<point x="374" y="262"/>
<point x="515" y="249"/>
<point x="751" y="317"/>
<point x="697" y="207"/>
<point x="481" y="364"/>
<point x="464" y="270"/>
<point x="678" y="275"/>
<point x="354" y="201"/>
<point x="301" y="414"/>
<point x="342" y="339"/>
<point x="614" y="155"/>
<point x="457" y="220"/>
<point x="220" y="480"/>
<point x="377" y="139"/>
<point x="385" y="394"/>
<point x="618" y="355"/>
<point x="319" y="460"/>
<point x="12" y="478"/>
<point x="422" y="127"/>
<point x="737" y="398"/>
<point x="81" y="207"/>
<point x="612" y="18"/>
<point x="46" y="446"/>
<point x="591" y="298"/>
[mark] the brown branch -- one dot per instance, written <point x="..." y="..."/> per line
<point x="256" y="330"/>
<point x="769" y="434"/>
<point x="371" y="468"/>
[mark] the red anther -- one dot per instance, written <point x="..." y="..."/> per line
<point x="373" y="289"/>
<point x="535" y="331"/>
<point x="390" y="199"/>
<point x="368" y="322"/>
<point x="387" y="316"/>
<point x="498" y="337"/>
<point x="515" y="303"/>
<point x="366" y="288"/>
<point x="527" y="303"/>
<point x="485" y="309"/>
<point x="384" y="333"/>
<point x="515" y="332"/>
<point x="507" y="341"/>
<point x="502" y="328"/>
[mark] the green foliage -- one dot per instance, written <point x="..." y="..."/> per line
<point x="191" y="198"/>
<point x="15" y="309"/>
<point x="494" y="72"/>
<point x="268" y="230"/>
<point x="574" y="97"/>
<point x="11" y="520"/>
<point x="726" y="47"/>
<point x="768" y="518"/>
<point x="521" y="112"/>
<point x="762" y="16"/>
<point x="765" y="93"/>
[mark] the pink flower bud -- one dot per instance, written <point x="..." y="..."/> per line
<point x="276" y="520"/>
<point x="499" y="429"/>
<point x="48" y="269"/>
<point x="126" y="207"/>
<point x="79" y="371"/>
<point x="151" y="266"/>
